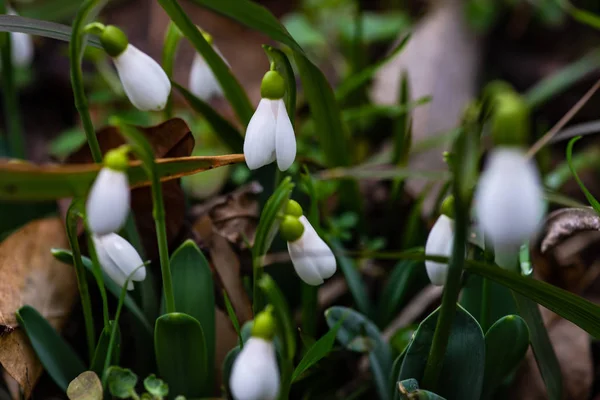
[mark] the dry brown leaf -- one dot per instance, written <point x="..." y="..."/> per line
<point x="86" y="386"/>
<point x="30" y="275"/>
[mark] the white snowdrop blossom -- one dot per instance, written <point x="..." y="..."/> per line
<point x="107" y="204"/>
<point x="439" y="243"/>
<point x="255" y="375"/>
<point x="21" y="47"/>
<point x="203" y="83"/>
<point x="313" y="260"/>
<point x="119" y="259"/>
<point x="145" y="82"/>
<point x="509" y="199"/>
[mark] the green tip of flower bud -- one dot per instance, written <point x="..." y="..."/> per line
<point x="447" y="207"/>
<point x="264" y="325"/>
<point x="114" y="40"/>
<point x="272" y="86"/>
<point x="117" y="159"/>
<point x="293" y="208"/>
<point x="510" y="123"/>
<point x="291" y="228"/>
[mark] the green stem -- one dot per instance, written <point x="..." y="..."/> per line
<point x="9" y="91"/>
<point x="309" y="309"/>
<point x="449" y="298"/>
<point x="257" y="296"/>
<point x="485" y="305"/>
<point x="97" y="272"/>
<point x="87" y="11"/>
<point x="171" y="43"/>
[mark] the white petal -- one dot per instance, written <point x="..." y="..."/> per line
<point x="439" y="243"/>
<point x="108" y="265"/>
<point x="119" y="259"/>
<point x="145" y="82"/>
<point x="509" y="198"/>
<point x="259" y="143"/>
<point x="254" y="375"/>
<point x="108" y="202"/>
<point x="313" y="260"/>
<point x="285" y="140"/>
<point x="203" y="83"/>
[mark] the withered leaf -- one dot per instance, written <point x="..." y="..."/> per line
<point x="566" y="222"/>
<point x="86" y="386"/>
<point x="30" y="275"/>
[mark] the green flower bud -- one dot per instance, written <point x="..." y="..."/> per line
<point x="293" y="208"/>
<point x="510" y="120"/>
<point x="447" y="207"/>
<point x="264" y="325"/>
<point x="272" y="86"/>
<point x="116" y="159"/>
<point x="113" y="40"/>
<point x="291" y="228"/>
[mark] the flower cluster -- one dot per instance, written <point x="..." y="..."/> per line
<point x="107" y="209"/>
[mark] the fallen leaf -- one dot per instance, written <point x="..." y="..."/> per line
<point x="30" y="275"/>
<point x="86" y="386"/>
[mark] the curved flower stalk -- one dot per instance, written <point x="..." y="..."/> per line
<point x="312" y="258"/>
<point x="255" y="375"/>
<point x="270" y="134"/>
<point x="145" y="83"/>
<point x="119" y="259"/>
<point x="107" y="205"/>
<point x="202" y="82"/>
<point x="509" y="201"/>
<point x="439" y="243"/>
<point x="21" y="46"/>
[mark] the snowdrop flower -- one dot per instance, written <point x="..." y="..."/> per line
<point x="21" y="46"/>
<point x="255" y="375"/>
<point x="203" y="83"/>
<point x="508" y="202"/>
<point x="270" y="135"/>
<point x="439" y="243"/>
<point x="313" y="260"/>
<point x="107" y="204"/>
<point x="119" y="259"/>
<point x="145" y="83"/>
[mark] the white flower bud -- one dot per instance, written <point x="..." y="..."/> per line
<point x="254" y="375"/>
<point x="203" y="83"/>
<point x="509" y="199"/>
<point x="145" y="82"/>
<point x="107" y="205"/>
<point x="21" y="46"/>
<point x="270" y="136"/>
<point x="439" y="243"/>
<point x="119" y="259"/>
<point x="313" y="260"/>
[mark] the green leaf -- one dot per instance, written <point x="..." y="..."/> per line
<point x="66" y="256"/>
<point x="194" y="294"/>
<point x="155" y="386"/>
<point x="317" y="351"/>
<point x="590" y="198"/>
<point x="86" y="386"/>
<point x="228" y="365"/>
<point x="121" y="382"/>
<point x="232" y="316"/>
<point x="57" y="357"/>
<point x="397" y="289"/>
<point x="356" y="328"/>
<point x="231" y="87"/>
<point x="462" y="371"/>
<point x="581" y="312"/>
<point x="506" y="343"/>
<point x="353" y="279"/>
<point x="230" y="136"/>
<point x="97" y="364"/>
<point x="283" y="66"/>
<point x="542" y="346"/>
<point x="24" y="181"/>
<point x="180" y="355"/>
<point x="283" y="315"/>
<point x="169" y="51"/>
<point x="584" y="16"/>
<point x="52" y="30"/>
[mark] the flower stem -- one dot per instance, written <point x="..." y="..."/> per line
<point x="171" y="43"/>
<point x="449" y="298"/>
<point x="97" y="272"/>
<point x="9" y="91"/>
<point x="87" y="11"/>
<point x="309" y="309"/>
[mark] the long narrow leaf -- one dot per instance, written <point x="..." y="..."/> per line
<point x="317" y="351"/>
<point x="589" y="196"/>
<point x="52" y="30"/>
<point x="353" y="279"/>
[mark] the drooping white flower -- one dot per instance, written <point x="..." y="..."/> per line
<point x="107" y="204"/>
<point x="145" y="82"/>
<point x="203" y="83"/>
<point x="313" y="260"/>
<point x="509" y="199"/>
<point x="254" y="375"/>
<point x="119" y="259"/>
<point x="21" y="46"/>
<point x="439" y="243"/>
<point x="270" y="134"/>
